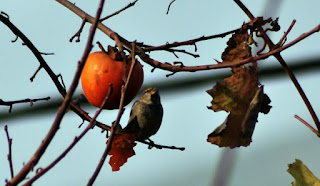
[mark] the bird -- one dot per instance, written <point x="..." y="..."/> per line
<point x="146" y="115"/>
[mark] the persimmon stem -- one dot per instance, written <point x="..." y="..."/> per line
<point x="101" y="47"/>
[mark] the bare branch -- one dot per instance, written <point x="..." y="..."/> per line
<point x="16" y="39"/>
<point x="168" y="67"/>
<point x="10" y="152"/>
<point x="283" y="38"/>
<point x="308" y="125"/>
<point x="35" y="52"/>
<point x="75" y="141"/>
<point x="62" y="82"/>
<point x="79" y="31"/>
<point x="53" y="76"/>
<point x="188" y="42"/>
<point x="170" y="6"/>
<point x="47" y="53"/>
<point x="284" y="64"/>
<point x="152" y="144"/>
<point x="100" y="164"/>
<point x="117" y="121"/>
<point x="225" y="64"/>
<point x="34" y="75"/>
<point x="5" y="14"/>
<point x="30" y="101"/>
<point x="61" y="112"/>
<point x="119" y="11"/>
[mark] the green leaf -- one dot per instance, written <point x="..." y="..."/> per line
<point x="302" y="175"/>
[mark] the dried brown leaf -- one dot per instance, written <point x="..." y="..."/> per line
<point x="242" y="96"/>
<point x="238" y="47"/>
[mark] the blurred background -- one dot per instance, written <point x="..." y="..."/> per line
<point x="278" y="138"/>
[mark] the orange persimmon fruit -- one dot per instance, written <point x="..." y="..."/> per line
<point x="100" y="71"/>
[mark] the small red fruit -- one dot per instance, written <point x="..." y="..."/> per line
<point x="100" y="71"/>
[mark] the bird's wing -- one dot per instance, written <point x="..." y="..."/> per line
<point x="133" y="126"/>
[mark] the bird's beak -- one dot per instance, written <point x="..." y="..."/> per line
<point x="154" y="91"/>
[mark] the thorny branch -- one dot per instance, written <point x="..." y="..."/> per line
<point x="62" y="110"/>
<point x="10" y="151"/>
<point x="30" y="101"/>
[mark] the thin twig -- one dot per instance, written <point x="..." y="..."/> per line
<point x="170" y="6"/>
<point x="151" y="145"/>
<point x="83" y="115"/>
<point x="283" y="38"/>
<point x="168" y="67"/>
<point x="119" y="11"/>
<point x="100" y="164"/>
<point x="140" y="52"/>
<point x="30" y="101"/>
<point x="47" y="53"/>
<point x="34" y="75"/>
<point x="62" y="110"/>
<point x="91" y="19"/>
<point x="225" y="64"/>
<point x="10" y="151"/>
<point x="35" y="52"/>
<point x="79" y="31"/>
<point x="181" y="51"/>
<point x="188" y="42"/>
<point x="53" y="76"/>
<point x="284" y="64"/>
<point x="75" y="141"/>
<point x="16" y="39"/>
<point x="308" y="125"/>
<point x="116" y="123"/>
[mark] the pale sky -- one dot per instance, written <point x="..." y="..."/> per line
<point x="278" y="138"/>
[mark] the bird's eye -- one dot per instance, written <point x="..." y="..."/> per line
<point x="148" y="90"/>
